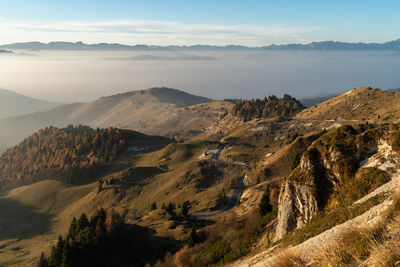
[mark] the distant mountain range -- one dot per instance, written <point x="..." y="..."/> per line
<point x="325" y="45"/>
<point x="13" y="104"/>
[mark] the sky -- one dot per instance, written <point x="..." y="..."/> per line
<point x="213" y="22"/>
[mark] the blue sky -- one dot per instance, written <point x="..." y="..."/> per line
<point x="216" y="22"/>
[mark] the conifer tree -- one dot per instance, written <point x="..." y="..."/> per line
<point x="264" y="206"/>
<point x="43" y="261"/>
<point x="193" y="238"/>
<point x="67" y="256"/>
<point x="56" y="252"/>
<point x="83" y="221"/>
<point x="185" y="208"/>
<point x="73" y="228"/>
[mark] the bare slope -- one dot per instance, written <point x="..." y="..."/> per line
<point x="361" y="104"/>
<point x="13" y="104"/>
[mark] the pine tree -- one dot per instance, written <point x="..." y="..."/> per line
<point x="264" y="206"/>
<point x="99" y="185"/>
<point x="67" y="256"/>
<point x="185" y="208"/>
<point x="83" y="221"/>
<point x="73" y="229"/>
<point x="192" y="238"/>
<point x="100" y="230"/>
<point x="295" y="161"/>
<point x="43" y="261"/>
<point x="56" y="252"/>
<point x="153" y="206"/>
<point x="171" y="207"/>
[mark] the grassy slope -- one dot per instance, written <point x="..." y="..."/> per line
<point x="37" y="213"/>
<point x="33" y="215"/>
<point x="359" y="104"/>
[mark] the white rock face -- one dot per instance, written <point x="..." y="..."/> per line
<point x="384" y="159"/>
<point x="297" y="206"/>
<point x="297" y="200"/>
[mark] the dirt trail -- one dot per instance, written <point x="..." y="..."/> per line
<point x="235" y="196"/>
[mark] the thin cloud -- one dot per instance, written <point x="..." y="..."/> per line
<point x="152" y="32"/>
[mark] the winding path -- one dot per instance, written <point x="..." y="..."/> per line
<point x="235" y="196"/>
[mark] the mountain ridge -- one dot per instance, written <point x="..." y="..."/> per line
<point x="14" y="104"/>
<point x="393" y="45"/>
<point x="130" y="110"/>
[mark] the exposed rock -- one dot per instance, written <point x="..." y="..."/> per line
<point x="297" y="205"/>
<point x="329" y="161"/>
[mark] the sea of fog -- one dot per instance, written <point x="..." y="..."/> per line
<point x="71" y="76"/>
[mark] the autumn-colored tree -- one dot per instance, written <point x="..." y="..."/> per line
<point x="69" y="154"/>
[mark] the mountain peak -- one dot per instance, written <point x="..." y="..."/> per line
<point x="164" y="95"/>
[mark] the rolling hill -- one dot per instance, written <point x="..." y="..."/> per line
<point x="312" y="172"/>
<point x="357" y="105"/>
<point x="13" y="104"/>
<point x="155" y="111"/>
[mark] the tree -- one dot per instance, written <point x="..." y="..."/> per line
<point x="43" y="261"/>
<point x="73" y="228"/>
<point x="99" y="185"/>
<point x="185" y="208"/>
<point x="153" y="206"/>
<point x="83" y="221"/>
<point x="100" y="230"/>
<point x="67" y="256"/>
<point x="56" y="252"/>
<point x="295" y="161"/>
<point x="192" y="238"/>
<point x="265" y="207"/>
<point x="171" y="207"/>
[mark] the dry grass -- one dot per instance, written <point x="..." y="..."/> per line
<point x="359" y="104"/>
<point x="350" y="249"/>
<point x="290" y="258"/>
<point x="378" y="245"/>
<point x="38" y="213"/>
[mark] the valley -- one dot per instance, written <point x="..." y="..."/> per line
<point x="211" y="166"/>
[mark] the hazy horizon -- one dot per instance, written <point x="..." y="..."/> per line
<point x="80" y="76"/>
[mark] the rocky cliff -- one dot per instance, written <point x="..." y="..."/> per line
<point x="329" y="162"/>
